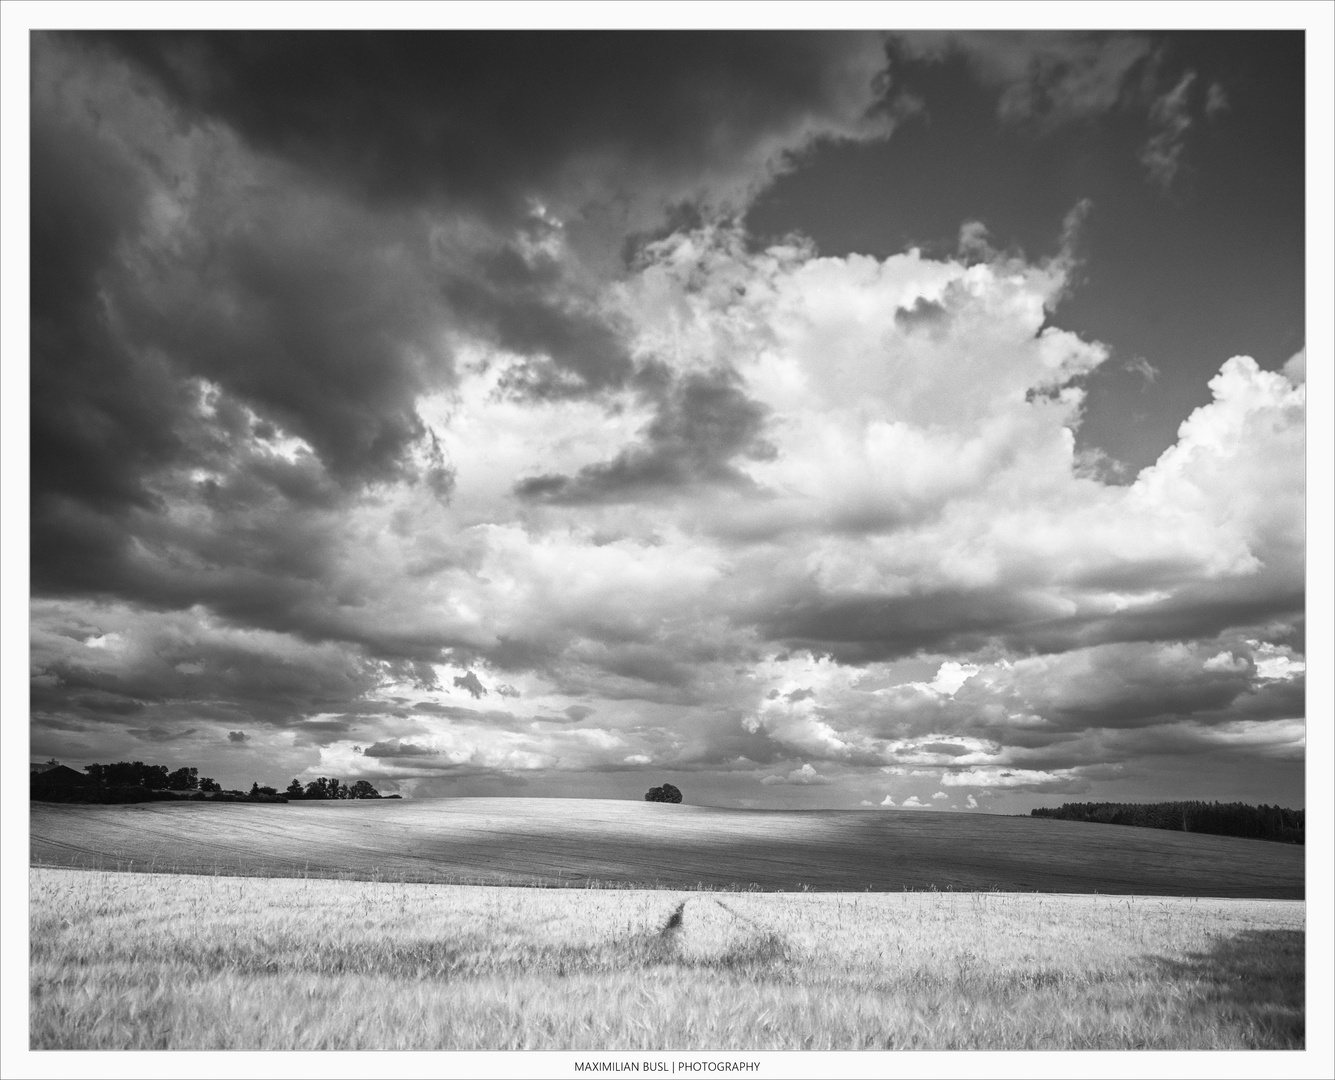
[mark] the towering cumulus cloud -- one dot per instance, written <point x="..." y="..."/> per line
<point x="422" y="410"/>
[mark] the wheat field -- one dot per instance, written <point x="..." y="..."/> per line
<point x="125" y="960"/>
<point x="625" y="843"/>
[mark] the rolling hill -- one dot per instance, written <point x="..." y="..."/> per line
<point x="578" y="842"/>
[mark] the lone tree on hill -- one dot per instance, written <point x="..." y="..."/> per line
<point x="666" y="793"/>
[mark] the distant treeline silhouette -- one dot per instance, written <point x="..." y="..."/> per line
<point x="324" y="788"/>
<point x="1219" y="819"/>
<point x="133" y="781"/>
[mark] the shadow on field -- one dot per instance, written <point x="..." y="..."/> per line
<point x="1255" y="980"/>
<point x="603" y="843"/>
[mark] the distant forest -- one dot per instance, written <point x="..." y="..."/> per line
<point x="1219" y="819"/>
<point x="133" y="781"/>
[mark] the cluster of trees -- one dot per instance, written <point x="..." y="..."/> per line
<point x="666" y="793"/>
<point x="150" y="777"/>
<point x="133" y="781"/>
<point x="121" y="782"/>
<point x="324" y="788"/>
<point x="1220" y="819"/>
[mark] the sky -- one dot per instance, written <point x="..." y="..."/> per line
<point x="896" y="420"/>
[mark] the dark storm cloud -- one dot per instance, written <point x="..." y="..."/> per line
<point x="306" y="315"/>
<point x="421" y="676"/>
<point x="1131" y="687"/>
<point x="513" y="652"/>
<point x="166" y="670"/>
<point x="866" y="628"/>
<point x="316" y="318"/>
<point x="527" y="306"/>
<point x="701" y="426"/>
<point x="237" y="737"/>
<point x="299" y="316"/>
<point x="437" y="709"/>
<point x="953" y="749"/>
<point x="1093" y="709"/>
<point x="470" y="682"/>
<point x="321" y="732"/>
<point x="101" y="418"/>
<point x="1106" y="753"/>
<point x="862" y="629"/>
<point x="58" y="723"/>
<point x="159" y="734"/>
<point x="398" y="749"/>
<point x="489" y="122"/>
<point x="561" y="721"/>
<point x="655" y="671"/>
<point x="492" y="718"/>
<point x="1194" y="610"/>
<point x="108" y="706"/>
<point x="494" y="118"/>
<point x="241" y="547"/>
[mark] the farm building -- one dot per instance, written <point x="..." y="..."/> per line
<point x="58" y="778"/>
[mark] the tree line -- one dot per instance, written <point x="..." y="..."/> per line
<point x="324" y="788"/>
<point x="134" y="781"/>
<point x="1219" y="819"/>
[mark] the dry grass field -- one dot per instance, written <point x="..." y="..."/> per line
<point x="635" y="844"/>
<point x="128" y="960"/>
<point x="397" y="924"/>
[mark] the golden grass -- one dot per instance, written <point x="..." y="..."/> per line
<point x="123" y="960"/>
<point x="608" y="842"/>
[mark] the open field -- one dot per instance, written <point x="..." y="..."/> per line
<point x="122" y="960"/>
<point x="607" y="842"/>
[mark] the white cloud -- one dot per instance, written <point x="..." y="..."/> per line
<point x="805" y="775"/>
<point x="939" y="796"/>
<point x="1143" y="368"/>
<point x="1296" y="367"/>
<point x="1274" y="662"/>
<point x="1031" y="779"/>
<point x="1162" y="153"/>
<point x="952" y="676"/>
<point x="914" y="802"/>
<point x="887" y="801"/>
<point x="1285" y="738"/>
<point x="1280" y="667"/>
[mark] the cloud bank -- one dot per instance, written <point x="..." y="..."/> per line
<point x="481" y="445"/>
